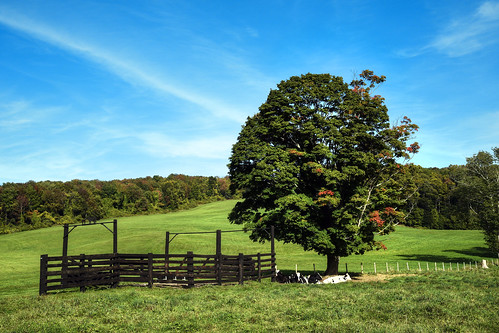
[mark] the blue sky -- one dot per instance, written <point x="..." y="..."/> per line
<point x="125" y="89"/>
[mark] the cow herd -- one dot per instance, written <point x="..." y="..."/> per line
<point x="314" y="278"/>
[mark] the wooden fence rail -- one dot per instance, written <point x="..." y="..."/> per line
<point x="189" y="269"/>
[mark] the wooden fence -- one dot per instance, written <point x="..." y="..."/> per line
<point x="187" y="270"/>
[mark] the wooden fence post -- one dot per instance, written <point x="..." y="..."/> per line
<point x="43" y="275"/>
<point x="149" y="270"/>
<point x="190" y="269"/>
<point x="116" y="272"/>
<point x="272" y="253"/>
<point x="241" y="268"/>
<point x="167" y="254"/>
<point x="259" y="268"/>
<point x="82" y="276"/>
<point x="65" y="238"/>
<point x="115" y="236"/>
<point x="65" y="241"/>
<point x="218" y="262"/>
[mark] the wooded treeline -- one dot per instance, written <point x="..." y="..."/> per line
<point x="442" y="200"/>
<point x="439" y="203"/>
<point x="33" y="205"/>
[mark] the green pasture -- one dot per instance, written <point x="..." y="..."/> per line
<point x="464" y="301"/>
<point x="20" y="252"/>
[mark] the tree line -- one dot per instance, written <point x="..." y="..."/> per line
<point x="459" y="197"/>
<point x="32" y="205"/>
<point x="442" y="199"/>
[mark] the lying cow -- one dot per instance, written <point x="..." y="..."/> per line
<point x="335" y="279"/>
<point x="281" y="278"/>
<point x="314" y="278"/>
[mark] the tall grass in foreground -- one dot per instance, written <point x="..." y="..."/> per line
<point x="20" y="252"/>
<point x="436" y="302"/>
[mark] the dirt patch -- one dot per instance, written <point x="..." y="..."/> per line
<point x="374" y="277"/>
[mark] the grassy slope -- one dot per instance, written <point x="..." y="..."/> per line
<point x="20" y="252"/>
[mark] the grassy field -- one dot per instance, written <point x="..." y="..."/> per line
<point x="428" y="302"/>
<point x="20" y="252"/>
<point x="464" y="301"/>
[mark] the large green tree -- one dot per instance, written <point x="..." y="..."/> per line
<point x="482" y="186"/>
<point x="321" y="162"/>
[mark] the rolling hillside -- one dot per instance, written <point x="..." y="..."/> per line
<point x="21" y="252"/>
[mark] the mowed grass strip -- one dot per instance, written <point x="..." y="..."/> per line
<point x="20" y="252"/>
<point x="464" y="301"/>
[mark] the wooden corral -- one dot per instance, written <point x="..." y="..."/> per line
<point x="82" y="271"/>
<point x="178" y="269"/>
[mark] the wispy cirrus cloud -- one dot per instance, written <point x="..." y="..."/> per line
<point x="465" y="35"/>
<point x="466" y="136"/>
<point x="471" y="33"/>
<point x="116" y="63"/>
<point x="19" y="113"/>
<point x="158" y="144"/>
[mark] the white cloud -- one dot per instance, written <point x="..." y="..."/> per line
<point x="489" y="11"/>
<point x="470" y="33"/>
<point x="158" y="144"/>
<point x="460" y="138"/>
<point x="20" y="113"/>
<point x="129" y="70"/>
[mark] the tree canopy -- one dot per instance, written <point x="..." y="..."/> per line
<point x="35" y="205"/>
<point x="321" y="162"/>
<point x="482" y="182"/>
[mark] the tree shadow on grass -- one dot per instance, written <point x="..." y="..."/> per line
<point x="480" y="252"/>
<point x="429" y="258"/>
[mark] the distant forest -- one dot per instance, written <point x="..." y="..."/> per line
<point x="33" y="205"/>
<point x="442" y="200"/>
<point x="439" y="203"/>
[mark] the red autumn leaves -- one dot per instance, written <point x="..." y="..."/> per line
<point x="380" y="217"/>
<point x="413" y="148"/>
<point x="326" y="192"/>
<point x="327" y="198"/>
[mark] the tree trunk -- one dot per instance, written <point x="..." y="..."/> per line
<point x="332" y="265"/>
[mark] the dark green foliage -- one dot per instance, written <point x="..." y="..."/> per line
<point x="319" y="162"/>
<point x="458" y="197"/>
<point x="440" y="203"/>
<point x="482" y="183"/>
<point x="35" y="205"/>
